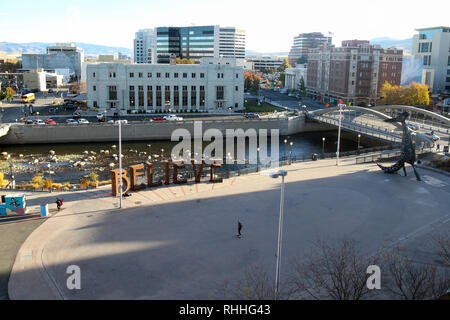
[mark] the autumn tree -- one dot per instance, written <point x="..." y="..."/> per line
<point x="414" y="94"/>
<point x="185" y="61"/>
<point x="284" y="65"/>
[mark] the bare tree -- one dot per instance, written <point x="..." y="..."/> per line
<point x="333" y="270"/>
<point x="409" y="280"/>
<point x="256" y="284"/>
<point x="442" y="242"/>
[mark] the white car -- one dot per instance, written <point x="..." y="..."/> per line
<point x="123" y="121"/>
<point x="39" y="122"/>
<point x="71" y="121"/>
<point x="111" y="121"/>
<point x="172" y="117"/>
<point x="101" y="116"/>
<point x="83" y="121"/>
<point x="432" y="136"/>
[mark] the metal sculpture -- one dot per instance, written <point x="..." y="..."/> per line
<point x="407" y="148"/>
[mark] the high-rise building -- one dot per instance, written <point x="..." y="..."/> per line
<point x="305" y="41"/>
<point x="355" y="72"/>
<point x="145" y="46"/>
<point x="232" y="43"/>
<point x="433" y="45"/>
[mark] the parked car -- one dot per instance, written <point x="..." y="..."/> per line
<point x="123" y="121"/>
<point x="111" y="121"/>
<point x="251" y="116"/>
<point x="432" y="136"/>
<point x="50" y="90"/>
<point x="101" y="116"/>
<point x="39" y="122"/>
<point x="83" y="121"/>
<point x="71" y="121"/>
<point x="76" y="114"/>
<point x="413" y="126"/>
<point x="29" y="121"/>
<point x="49" y="121"/>
<point x="158" y="118"/>
<point x="172" y="117"/>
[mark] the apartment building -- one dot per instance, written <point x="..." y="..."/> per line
<point x="354" y="72"/>
<point x="433" y="46"/>
<point x="214" y="84"/>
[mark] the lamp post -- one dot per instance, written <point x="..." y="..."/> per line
<point x="120" y="163"/>
<point x="257" y="158"/>
<point x="106" y="112"/>
<point x="359" y="139"/>
<point x="290" y="153"/>
<point x="275" y="175"/>
<point x="323" y="145"/>
<point x="339" y="134"/>
<point x="285" y="146"/>
<point x="50" y="174"/>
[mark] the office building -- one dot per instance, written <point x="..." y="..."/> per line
<point x="433" y="46"/>
<point x="35" y="80"/>
<point x="214" y="84"/>
<point x="305" y="41"/>
<point x="11" y="80"/>
<point x="261" y="63"/>
<point x="232" y="43"/>
<point x="145" y="46"/>
<point x="354" y="72"/>
<point x="59" y="56"/>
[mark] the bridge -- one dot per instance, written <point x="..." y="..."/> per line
<point x="369" y="122"/>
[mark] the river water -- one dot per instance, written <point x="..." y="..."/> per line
<point x="28" y="160"/>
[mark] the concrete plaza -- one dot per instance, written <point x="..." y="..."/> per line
<point x="179" y="241"/>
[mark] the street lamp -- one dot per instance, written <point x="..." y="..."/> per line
<point x="257" y="158"/>
<point x="285" y="143"/>
<point x="275" y="175"/>
<point x="339" y="134"/>
<point x="359" y="139"/>
<point x="50" y="174"/>
<point x="106" y="113"/>
<point x="323" y="145"/>
<point x="162" y="153"/>
<point x="290" y="153"/>
<point x="120" y="163"/>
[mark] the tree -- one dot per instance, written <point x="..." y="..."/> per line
<point x="284" y="65"/>
<point x="184" y="61"/>
<point x="282" y="77"/>
<point x="414" y="94"/>
<point x="9" y="94"/>
<point x="301" y="87"/>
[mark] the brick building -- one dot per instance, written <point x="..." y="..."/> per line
<point x="354" y="72"/>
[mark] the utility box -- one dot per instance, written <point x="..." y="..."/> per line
<point x="13" y="204"/>
<point x="44" y="210"/>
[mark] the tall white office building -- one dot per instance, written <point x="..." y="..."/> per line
<point x="145" y="46"/>
<point x="232" y="43"/>
<point x="433" y="45"/>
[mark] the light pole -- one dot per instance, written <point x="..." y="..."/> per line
<point x="257" y="158"/>
<point x="290" y="153"/>
<point x="323" y="145"/>
<point x="106" y="113"/>
<point x="359" y="139"/>
<point x="285" y="146"/>
<point x="120" y="163"/>
<point x="339" y="134"/>
<point x="162" y="153"/>
<point x="50" y="174"/>
<point x="275" y="175"/>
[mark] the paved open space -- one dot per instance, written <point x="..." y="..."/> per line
<point x="179" y="241"/>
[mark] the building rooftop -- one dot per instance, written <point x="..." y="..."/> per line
<point x="431" y="28"/>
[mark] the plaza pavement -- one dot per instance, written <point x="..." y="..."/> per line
<point x="179" y="241"/>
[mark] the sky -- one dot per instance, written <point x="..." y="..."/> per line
<point x="270" y="25"/>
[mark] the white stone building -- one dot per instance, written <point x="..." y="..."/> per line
<point x="294" y="76"/>
<point x="212" y="85"/>
<point x="433" y="45"/>
<point x="35" y="79"/>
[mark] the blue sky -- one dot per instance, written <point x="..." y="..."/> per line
<point x="270" y="25"/>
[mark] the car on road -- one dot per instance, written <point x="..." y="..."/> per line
<point x="413" y="126"/>
<point x="50" y="90"/>
<point x="110" y="121"/>
<point x="123" y="121"/>
<point x="39" y="122"/>
<point x="29" y="121"/>
<point x="251" y="116"/>
<point x="172" y="117"/>
<point x="76" y="114"/>
<point x="70" y="106"/>
<point x="71" y="121"/>
<point x="49" y="121"/>
<point x="83" y="121"/>
<point x="101" y="116"/>
<point x="432" y="136"/>
<point x="158" y="118"/>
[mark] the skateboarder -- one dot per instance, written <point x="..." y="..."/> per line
<point x="239" y="229"/>
<point x="59" y="203"/>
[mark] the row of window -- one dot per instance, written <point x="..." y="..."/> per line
<point x="167" y="75"/>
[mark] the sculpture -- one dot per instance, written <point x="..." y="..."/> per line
<point x="407" y="148"/>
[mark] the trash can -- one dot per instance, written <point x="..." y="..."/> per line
<point x="314" y="156"/>
<point x="44" y="210"/>
<point x="445" y="148"/>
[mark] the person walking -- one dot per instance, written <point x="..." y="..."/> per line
<point x="239" y="229"/>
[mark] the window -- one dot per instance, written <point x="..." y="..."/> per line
<point x="236" y="105"/>
<point x="94" y="88"/>
<point x="149" y="96"/>
<point x="184" y="75"/>
<point x="175" y="75"/>
<point x="185" y="96"/>
<point x="176" y="96"/>
<point x="131" y="74"/>
<point x="114" y="74"/>
<point x="237" y="75"/>
<point x="140" y="75"/>
<point x="193" y="96"/>
<point x="132" y="97"/>
<point x="202" y="75"/>
<point x="202" y="96"/>
<point x="140" y="96"/>
<point x="112" y="93"/>
<point x="220" y="76"/>
<point x="93" y="75"/>
<point x="149" y="75"/>
<point x="167" y="96"/>
<point x="219" y="93"/>
<point x="193" y="75"/>
<point x="158" y="74"/>
<point x="167" y="75"/>
<point x="158" y="96"/>
<point x="236" y="88"/>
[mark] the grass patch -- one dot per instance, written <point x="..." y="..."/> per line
<point x="252" y="106"/>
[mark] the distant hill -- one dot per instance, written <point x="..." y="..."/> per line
<point x="386" y="42"/>
<point x="40" y="47"/>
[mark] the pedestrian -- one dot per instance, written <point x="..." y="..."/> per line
<point x="438" y="147"/>
<point x="59" y="203"/>
<point x="239" y="229"/>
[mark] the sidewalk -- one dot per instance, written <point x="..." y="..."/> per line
<point x="176" y="241"/>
